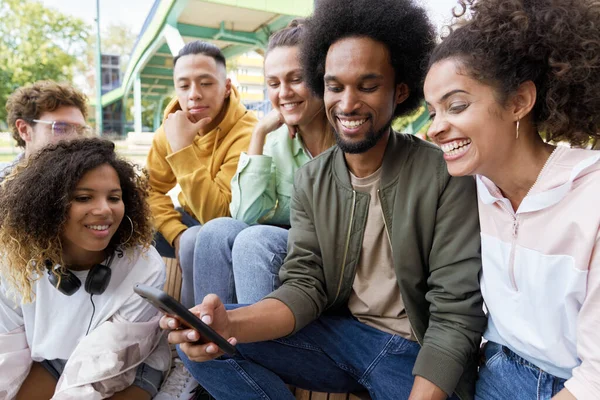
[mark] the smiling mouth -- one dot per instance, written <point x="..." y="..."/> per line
<point x="98" y="227"/>
<point x="352" y="124"/>
<point x="455" y="147"/>
<point x="290" y="106"/>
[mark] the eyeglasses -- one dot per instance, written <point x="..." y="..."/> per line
<point x="60" y="128"/>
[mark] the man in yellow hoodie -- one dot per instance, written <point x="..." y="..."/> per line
<point x="198" y="146"/>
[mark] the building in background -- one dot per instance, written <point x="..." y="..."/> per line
<point x="240" y="28"/>
<point x="246" y="72"/>
<point x="112" y="114"/>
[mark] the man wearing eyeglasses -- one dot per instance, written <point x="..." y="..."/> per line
<point x="44" y="113"/>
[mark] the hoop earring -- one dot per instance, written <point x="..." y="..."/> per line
<point x="518" y="122"/>
<point x="131" y="234"/>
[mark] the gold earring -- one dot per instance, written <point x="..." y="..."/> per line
<point x="518" y="121"/>
<point x="132" y="229"/>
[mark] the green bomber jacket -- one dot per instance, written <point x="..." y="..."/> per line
<point x="433" y="225"/>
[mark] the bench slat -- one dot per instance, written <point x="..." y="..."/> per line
<point x="173" y="282"/>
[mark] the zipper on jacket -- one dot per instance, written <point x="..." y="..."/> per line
<point x="513" y="248"/>
<point x="511" y="262"/>
<point x="346" y="247"/>
<point x="387" y="232"/>
<point x="515" y="227"/>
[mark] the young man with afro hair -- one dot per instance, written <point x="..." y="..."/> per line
<point x="380" y="289"/>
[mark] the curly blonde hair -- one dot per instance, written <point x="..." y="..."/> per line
<point x="34" y="206"/>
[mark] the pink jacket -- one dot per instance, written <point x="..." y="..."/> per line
<point x="541" y="269"/>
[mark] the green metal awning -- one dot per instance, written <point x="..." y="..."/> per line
<point x="235" y="26"/>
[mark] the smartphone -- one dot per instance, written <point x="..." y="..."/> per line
<point x="169" y="305"/>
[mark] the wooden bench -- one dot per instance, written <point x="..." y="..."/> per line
<point x="173" y="288"/>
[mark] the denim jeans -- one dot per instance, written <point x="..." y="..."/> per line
<point x="237" y="262"/>
<point x="163" y="247"/>
<point x="505" y="375"/>
<point x="335" y="353"/>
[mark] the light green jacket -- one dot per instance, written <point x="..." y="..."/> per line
<point x="262" y="187"/>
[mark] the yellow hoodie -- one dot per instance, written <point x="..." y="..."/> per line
<point x="203" y="169"/>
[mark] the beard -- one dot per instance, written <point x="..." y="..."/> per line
<point x="372" y="137"/>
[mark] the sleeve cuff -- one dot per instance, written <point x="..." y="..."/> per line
<point x="258" y="163"/>
<point x="171" y="231"/>
<point x="438" y="368"/>
<point x="184" y="161"/>
<point x="299" y="303"/>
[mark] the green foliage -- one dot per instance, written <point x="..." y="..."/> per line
<point x="407" y="123"/>
<point x="116" y="38"/>
<point x="36" y="43"/>
<point x="149" y="108"/>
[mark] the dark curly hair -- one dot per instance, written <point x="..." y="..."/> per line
<point x="553" y="43"/>
<point x="35" y="201"/>
<point x="400" y="25"/>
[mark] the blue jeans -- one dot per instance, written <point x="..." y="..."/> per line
<point x="335" y="353"/>
<point x="163" y="247"/>
<point x="227" y="257"/>
<point x="505" y="375"/>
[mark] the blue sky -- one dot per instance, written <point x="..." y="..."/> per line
<point x="134" y="12"/>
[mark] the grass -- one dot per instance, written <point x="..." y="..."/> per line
<point x="7" y="157"/>
<point x="135" y="158"/>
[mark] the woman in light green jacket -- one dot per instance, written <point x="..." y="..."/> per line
<point x="239" y="258"/>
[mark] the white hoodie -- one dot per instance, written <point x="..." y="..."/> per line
<point x="541" y="269"/>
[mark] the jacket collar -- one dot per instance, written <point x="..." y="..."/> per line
<point x="394" y="158"/>
<point x="489" y="193"/>
<point x="297" y="144"/>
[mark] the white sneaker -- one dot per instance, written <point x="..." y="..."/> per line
<point x="178" y="385"/>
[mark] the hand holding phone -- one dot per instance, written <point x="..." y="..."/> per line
<point x="170" y="306"/>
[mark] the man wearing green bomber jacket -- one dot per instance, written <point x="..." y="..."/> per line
<point x="380" y="289"/>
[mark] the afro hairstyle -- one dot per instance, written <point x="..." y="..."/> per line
<point x="401" y="25"/>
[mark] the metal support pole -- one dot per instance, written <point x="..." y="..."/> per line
<point x="158" y="113"/>
<point x="137" y="104"/>
<point x="99" y="126"/>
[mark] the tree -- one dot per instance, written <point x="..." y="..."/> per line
<point x="409" y="123"/>
<point x="37" y="43"/>
<point x="116" y="39"/>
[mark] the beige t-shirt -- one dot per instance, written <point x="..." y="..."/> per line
<point x="375" y="299"/>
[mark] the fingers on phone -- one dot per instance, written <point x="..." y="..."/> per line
<point x="183" y="336"/>
<point x="201" y="352"/>
<point x="193" y="336"/>
<point x="210" y="302"/>
<point x="212" y="348"/>
<point x="204" y="352"/>
<point x="167" y="322"/>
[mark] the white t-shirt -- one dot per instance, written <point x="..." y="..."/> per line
<point x="55" y="323"/>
